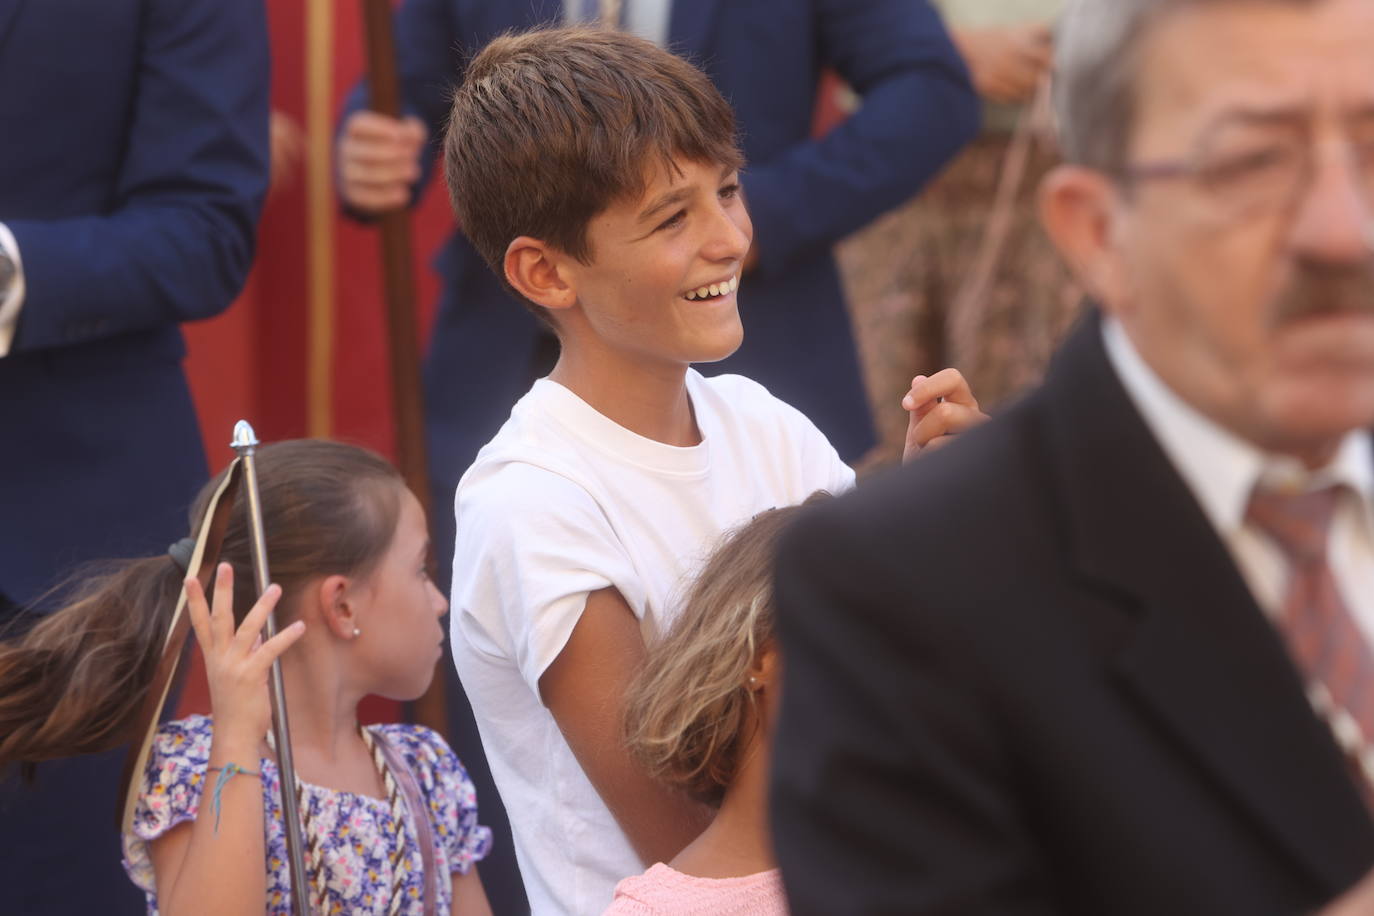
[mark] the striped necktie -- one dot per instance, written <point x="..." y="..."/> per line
<point x="1323" y="638"/>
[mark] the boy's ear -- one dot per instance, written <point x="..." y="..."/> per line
<point x="336" y="606"/>
<point x="534" y="268"/>
<point x="1082" y="211"/>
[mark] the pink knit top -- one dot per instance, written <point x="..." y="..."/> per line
<point x="662" y="891"/>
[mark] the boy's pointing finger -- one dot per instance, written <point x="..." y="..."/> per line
<point x="948" y="384"/>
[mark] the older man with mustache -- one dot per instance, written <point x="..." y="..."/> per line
<point x="1111" y="653"/>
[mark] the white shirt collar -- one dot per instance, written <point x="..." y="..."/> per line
<point x="1219" y="467"/>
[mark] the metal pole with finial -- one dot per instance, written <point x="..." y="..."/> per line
<point x="245" y="444"/>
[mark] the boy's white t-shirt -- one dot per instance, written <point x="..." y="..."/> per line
<point x="562" y="503"/>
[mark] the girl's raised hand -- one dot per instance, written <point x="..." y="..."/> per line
<point x="236" y="663"/>
<point x="940" y="406"/>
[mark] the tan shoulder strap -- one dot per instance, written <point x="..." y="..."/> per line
<point x="202" y="566"/>
<point x="419" y="811"/>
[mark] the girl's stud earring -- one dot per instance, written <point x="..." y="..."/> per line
<point x="357" y="632"/>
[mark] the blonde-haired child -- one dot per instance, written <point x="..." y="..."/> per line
<point x="698" y="717"/>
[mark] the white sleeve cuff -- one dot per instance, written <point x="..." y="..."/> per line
<point x="14" y="301"/>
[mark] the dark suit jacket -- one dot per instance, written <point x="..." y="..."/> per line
<point x="1025" y="676"/>
<point x="766" y="57"/>
<point x="133" y="162"/>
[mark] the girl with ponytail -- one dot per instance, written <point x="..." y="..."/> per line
<point x="390" y="817"/>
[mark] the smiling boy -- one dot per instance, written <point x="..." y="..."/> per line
<point x="599" y="177"/>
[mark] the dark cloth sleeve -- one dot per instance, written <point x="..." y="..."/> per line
<point x="178" y="238"/>
<point x="918" y="110"/>
<point x="891" y="790"/>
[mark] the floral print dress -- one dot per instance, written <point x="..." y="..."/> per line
<point x="356" y="831"/>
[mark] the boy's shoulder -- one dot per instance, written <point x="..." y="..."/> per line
<point x="507" y="495"/>
<point x="754" y="429"/>
<point x="738" y="391"/>
<point x="739" y="401"/>
<point x="536" y="443"/>
<point x="523" y="485"/>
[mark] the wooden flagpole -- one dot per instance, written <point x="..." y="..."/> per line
<point x="384" y="93"/>
<point x="321" y="211"/>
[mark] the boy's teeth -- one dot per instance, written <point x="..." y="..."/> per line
<point x="715" y="289"/>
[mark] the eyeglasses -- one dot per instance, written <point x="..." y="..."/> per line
<point x="1246" y="170"/>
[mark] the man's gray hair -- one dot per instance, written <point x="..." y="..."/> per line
<point x="1097" y="62"/>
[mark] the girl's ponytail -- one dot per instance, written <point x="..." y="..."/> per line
<point x="73" y="683"/>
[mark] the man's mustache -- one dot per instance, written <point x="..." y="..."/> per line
<point x="1327" y="289"/>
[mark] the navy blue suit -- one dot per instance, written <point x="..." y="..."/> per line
<point x="766" y="57"/>
<point x="133" y="163"/>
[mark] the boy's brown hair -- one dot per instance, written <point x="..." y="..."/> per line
<point x="551" y="127"/>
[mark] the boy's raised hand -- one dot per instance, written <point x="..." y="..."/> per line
<point x="940" y="406"/>
<point x="236" y="663"/>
